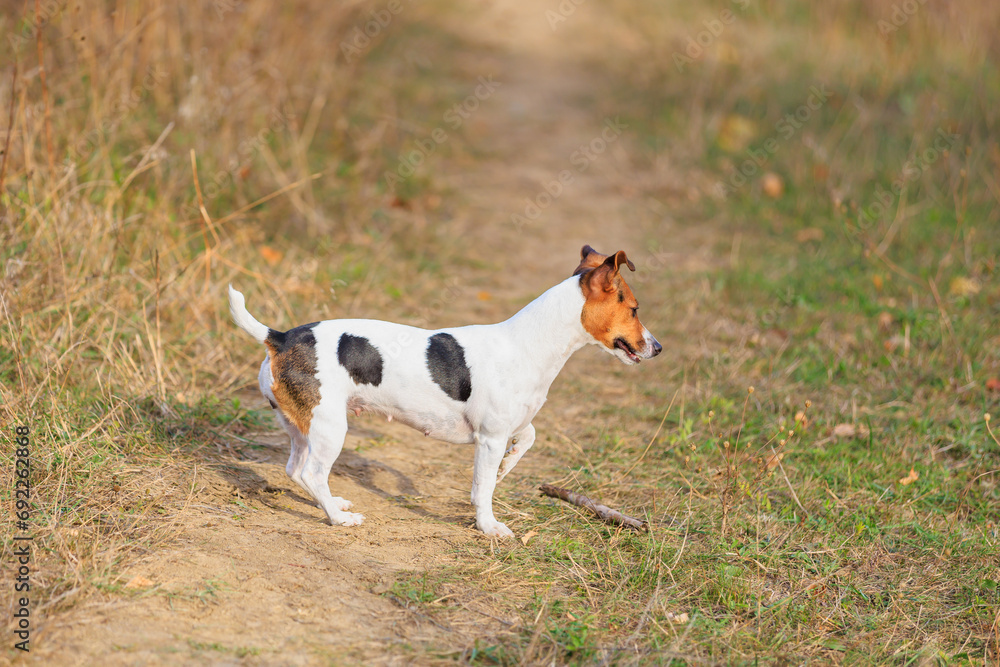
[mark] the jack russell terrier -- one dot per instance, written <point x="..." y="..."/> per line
<point x="479" y="384"/>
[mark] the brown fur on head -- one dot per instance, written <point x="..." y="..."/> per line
<point x="610" y="310"/>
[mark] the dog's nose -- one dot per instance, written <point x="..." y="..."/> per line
<point x="657" y="348"/>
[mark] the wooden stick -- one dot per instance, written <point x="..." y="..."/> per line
<point x="602" y="511"/>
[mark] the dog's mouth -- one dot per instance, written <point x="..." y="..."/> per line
<point x="627" y="349"/>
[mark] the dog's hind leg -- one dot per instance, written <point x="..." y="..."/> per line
<point x="325" y="441"/>
<point x="299" y="449"/>
<point x="299" y="443"/>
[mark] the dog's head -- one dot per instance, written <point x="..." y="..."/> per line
<point x="610" y="311"/>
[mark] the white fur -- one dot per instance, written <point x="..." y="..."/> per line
<point x="512" y="365"/>
<point x="244" y="320"/>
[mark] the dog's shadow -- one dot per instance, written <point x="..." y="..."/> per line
<point x="364" y="471"/>
<point x="249" y="484"/>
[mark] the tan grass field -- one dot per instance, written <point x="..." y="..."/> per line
<point x="809" y="192"/>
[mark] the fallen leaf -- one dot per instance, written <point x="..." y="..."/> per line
<point x="816" y="588"/>
<point x="809" y="234"/>
<point x="884" y="321"/>
<point x="962" y="286"/>
<point x="849" y="431"/>
<point x="678" y="619"/>
<point x="527" y="536"/>
<point x="139" y="581"/>
<point x="736" y="133"/>
<point x="911" y="478"/>
<point x="993" y="384"/>
<point x="727" y="53"/>
<point x="772" y="185"/>
<point x="270" y="255"/>
<point x="844" y="431"/>
<point x="484" y="296"/>
<point x="894" y="342"/>
<point x="878" y="282"/>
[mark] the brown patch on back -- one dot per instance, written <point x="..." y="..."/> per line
<point x="293" y="367"/>
<point x="608" y="312"/>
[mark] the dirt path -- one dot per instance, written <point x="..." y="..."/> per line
<point x="256" y="574"/>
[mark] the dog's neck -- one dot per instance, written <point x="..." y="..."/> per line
<point x="549" y="330"/>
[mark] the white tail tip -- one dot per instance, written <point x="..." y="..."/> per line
<point x="244" y="320"/>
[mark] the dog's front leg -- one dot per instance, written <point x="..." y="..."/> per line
<point x="489" y="453"/>
<point x="522" y="442"/>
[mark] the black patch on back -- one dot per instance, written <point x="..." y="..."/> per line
<point x="361" y="359"/>
<point x="446" y="362"/>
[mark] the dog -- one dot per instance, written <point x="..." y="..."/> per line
<point x="480" y="384"/>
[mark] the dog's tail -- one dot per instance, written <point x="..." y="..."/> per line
<point x="244" y="320"/>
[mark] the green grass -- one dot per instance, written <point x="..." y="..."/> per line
<point x="867" y="554"/>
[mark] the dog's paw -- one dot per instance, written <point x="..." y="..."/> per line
<point x="495" y="529"/>
<point x="341" y="504"/>
<point x="347" y="519"/>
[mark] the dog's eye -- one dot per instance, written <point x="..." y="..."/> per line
<point x="634" y="312"/>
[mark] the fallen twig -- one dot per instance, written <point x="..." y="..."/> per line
<point x="602" y="511"/>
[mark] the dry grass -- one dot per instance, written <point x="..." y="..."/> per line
<point x="161" y="152"/>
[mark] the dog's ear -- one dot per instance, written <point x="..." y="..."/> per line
<point x="589" y="259"/>
<point x="616" y="260"/>
<point x="606" y="275"/>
